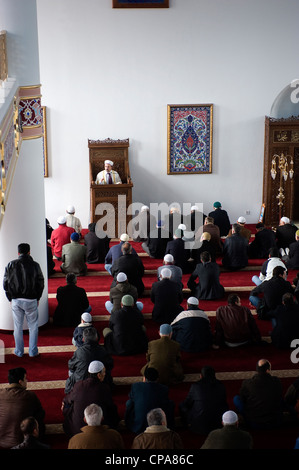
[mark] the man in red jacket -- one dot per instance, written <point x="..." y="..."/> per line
<point x="60" y="236"/>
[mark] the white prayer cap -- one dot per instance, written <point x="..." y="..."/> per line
<point x="229" y="417"/>
<point x="121" y="277"/>
<point x="182" y="227"/>
<point x="95" y="367"/>
<point x="242" y="220"/>
<point x="86" y="317"/>
<point x="109" y="162"/>
<point x="61" y="220"/>
<point x="144" y="208"/>
<point x="166" y="273"/>
<point x="192" y="301"/>
<point x="70" y="209"/>
<point x="286" y="220"/>
<point x="169" y="258"/>
<point x="124" y="237"/>
<point x="194" y="208"/>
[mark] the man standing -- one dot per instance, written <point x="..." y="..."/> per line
<point x="23" y="283"/>
<point x="221" y="218"/>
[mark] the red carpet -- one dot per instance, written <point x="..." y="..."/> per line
<point x="52" y="366"/>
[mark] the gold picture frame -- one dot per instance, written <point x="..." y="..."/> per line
<point x="190" y="139"/>
<point x="45" y="143"/>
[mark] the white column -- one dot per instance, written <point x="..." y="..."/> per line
<point x="24" y="222"/>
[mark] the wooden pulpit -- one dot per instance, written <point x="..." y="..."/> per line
<point x="109" y="202"/>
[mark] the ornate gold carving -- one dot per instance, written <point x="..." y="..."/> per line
<point x="3" y="56"/>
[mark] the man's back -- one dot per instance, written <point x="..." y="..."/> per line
<point x="74" y="258"/>
<point x="143" y="397"/>
<point x="96" y="437"/>
<point x="235" y="252"/>
<point x="165" y="356"/>
<point x="221" y="219"/>
<point x="16" y="404"/>
<point x="228" y="437"/>
<point x="166" y="296"/>
<point x="128" y="336"/>
<point x="96" y="248"/>
<point x="262" y="398"/>
<point x="23" y="278"/>
<point x="59" y="237"/>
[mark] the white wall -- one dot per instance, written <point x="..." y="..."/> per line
<point x="24" y="218"/>
<point x="111" y="73"/>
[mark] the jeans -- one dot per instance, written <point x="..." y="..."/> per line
<point x="22" y="309"/>
<point x="108" y="267"/>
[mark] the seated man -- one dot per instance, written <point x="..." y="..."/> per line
<point x="214" y="231"/>
<point x="117" y="292"/>
<point x="192" y="328"/>
<point x="244" y="232"/>
<point x="126" y="334"/>
<point x="86" y="322"/>
<point x="96" y="435"/>
<point x="16" y="404"/>
<point x="263" y="241"/>
<point x="131" y="265"/>
<point x="72" y="302"/>
<point x="143" y="397"/>
<point x="229" y="436"/>
<point x="73" y="257"/>
<point x="176" y="271"/>
<point x="92" y="389"/>
<point x="260" y="398"/>
<point x="205" y="403"/>
<point x="235" y="324"/>
<point x="285" y="319"/>
<point x="208" y="273"/>
<point x="166" y="295"/>
<point x="97" y="245"/>
<point x="268" y="267"/>
<point x="83" y="356"/>
<point x="142" y="224"/>
<point x="115" y="252"/>
<point x="176" y="248"/>
<point x="164" y="354"/>
<point x="268" y="295"/>
<point x="221" y="218"/>
<point x="285" y="233"/>
<point x="108" y="176"/>
<point x="72" y="221"/>
<point x="157" y="435"/>
<point x="291" y="254"/>
<point x="156" y="243"/>
<point x="204" y="244"/>
<point x="235" y="250"/>
<point x="60" y="237"/>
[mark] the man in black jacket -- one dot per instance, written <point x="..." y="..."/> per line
<point x="23" y="283"/>
<point x="83" y="356"/>
<point x="235" y="250"/>
<point x="131" y="265"/>
<point x="205" y="403"/>
<point x="166" y="297"/>
<point x="272" y="291"/>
